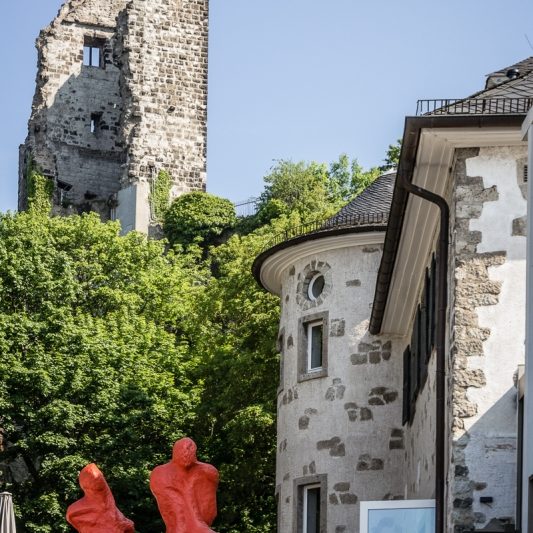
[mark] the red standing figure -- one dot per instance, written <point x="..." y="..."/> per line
<point x="185" y="490"/>
<point x="97" y="512"/>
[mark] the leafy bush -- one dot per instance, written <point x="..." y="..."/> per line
<point x="198" y="217"/>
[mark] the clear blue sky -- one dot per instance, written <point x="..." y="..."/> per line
<point x="300" y="79"/>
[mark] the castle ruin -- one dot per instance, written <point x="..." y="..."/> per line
<point x="121" y="96"/>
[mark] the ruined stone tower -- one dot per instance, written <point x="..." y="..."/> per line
<point x="121" y="95"/>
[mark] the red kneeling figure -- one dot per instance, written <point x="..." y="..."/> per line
<point x="97" y="512"/>
<point x="185" y="490"/>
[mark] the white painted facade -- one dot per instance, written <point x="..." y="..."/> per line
<point x="489" y="437"/>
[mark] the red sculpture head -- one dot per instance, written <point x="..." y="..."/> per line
<point x="184" y="453"/>
<point x="92" y="481"/>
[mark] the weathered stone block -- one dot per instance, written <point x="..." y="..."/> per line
<point x="359" y="358"/>
<point x="341" y="487"/>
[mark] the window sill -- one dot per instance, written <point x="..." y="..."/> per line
<point x="323" y="373"/>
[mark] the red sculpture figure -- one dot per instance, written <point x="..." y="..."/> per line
<point x="97" y="512"/>
<point x="185" y="490"/>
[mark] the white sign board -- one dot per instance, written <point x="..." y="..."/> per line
<point x="398" y="516"/>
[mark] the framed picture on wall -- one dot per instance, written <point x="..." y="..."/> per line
<point x="398" y="516"/>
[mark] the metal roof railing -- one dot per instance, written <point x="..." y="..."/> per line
<point x="247" y="208"/>
<point x="320" y="226"/>
<point x="474" y="106"/>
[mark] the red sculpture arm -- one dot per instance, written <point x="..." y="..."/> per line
<point x="205" y="488"/>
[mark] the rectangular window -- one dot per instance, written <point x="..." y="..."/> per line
<point x="314" y="349"/>
<point x="418" y="353"/>
<point x="313" y="346"/>
<point x="311" y="509"/>
<point x="406" y="406"/>
<point x="310" y="506"/>
<point x="96" y="119"/>
<point x="91" y="56"/>
<point x="93" y="52"/>
<point x="281" y="349"/>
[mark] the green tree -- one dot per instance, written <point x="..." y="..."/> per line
<point x="295" y="188"/>
<point x="237" y="414"/>
<point x="199" y="217"/>
<point x="348" y="179"/>
<point x="393" y="156"/>
<point x="95" y="363"/>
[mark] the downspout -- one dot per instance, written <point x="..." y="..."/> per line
<point x="440" y="344"/>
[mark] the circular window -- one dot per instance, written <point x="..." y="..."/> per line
<point x="316" y="286"/>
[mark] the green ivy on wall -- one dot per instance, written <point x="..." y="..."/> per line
<point x="160" y="195"/>
<point x="40" y="189"/>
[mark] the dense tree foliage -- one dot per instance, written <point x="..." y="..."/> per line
<point x="198" y="217"/>
<point x="113" y="347"/>
<point x="236" y="421"/>
<point x="94" y="367"/>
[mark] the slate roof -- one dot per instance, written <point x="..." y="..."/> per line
<point x="521" y="87"/>
<point x="371" y="206"/>
<point x="524" y="67"/>
<point x="492" y="100"/>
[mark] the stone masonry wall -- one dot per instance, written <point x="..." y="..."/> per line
<point x="150" y="96"/>
<point x="345" y="425"/>
<point x="163" y="54"/>
<point x="67" y="94"/>
<point x="487" y="333"/>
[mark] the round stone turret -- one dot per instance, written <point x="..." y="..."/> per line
<point x="340" y="440"/>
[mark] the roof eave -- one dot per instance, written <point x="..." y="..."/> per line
<point x="261" y="258"/>
<point x="410" y="144"/>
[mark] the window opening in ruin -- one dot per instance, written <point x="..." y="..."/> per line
<point x="315" y="343"/>
<point x="311" y="509"/>
<point x="96" y="119"/>
<point x="63" y="188"/>
<point x="93" y="52"/>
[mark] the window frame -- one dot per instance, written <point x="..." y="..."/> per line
<point x="389" y="504"/>
<point x="305" y="503"/>
<point x="310" y="345"/>
<point x="301" y="486"/>
<point x="89" y="45"/>
<point x="95" y="124"/>
<point x="281" y="350"/>
<point x="305" y="372"/>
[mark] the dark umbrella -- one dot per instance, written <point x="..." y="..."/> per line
<point x="7" y="516"/>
